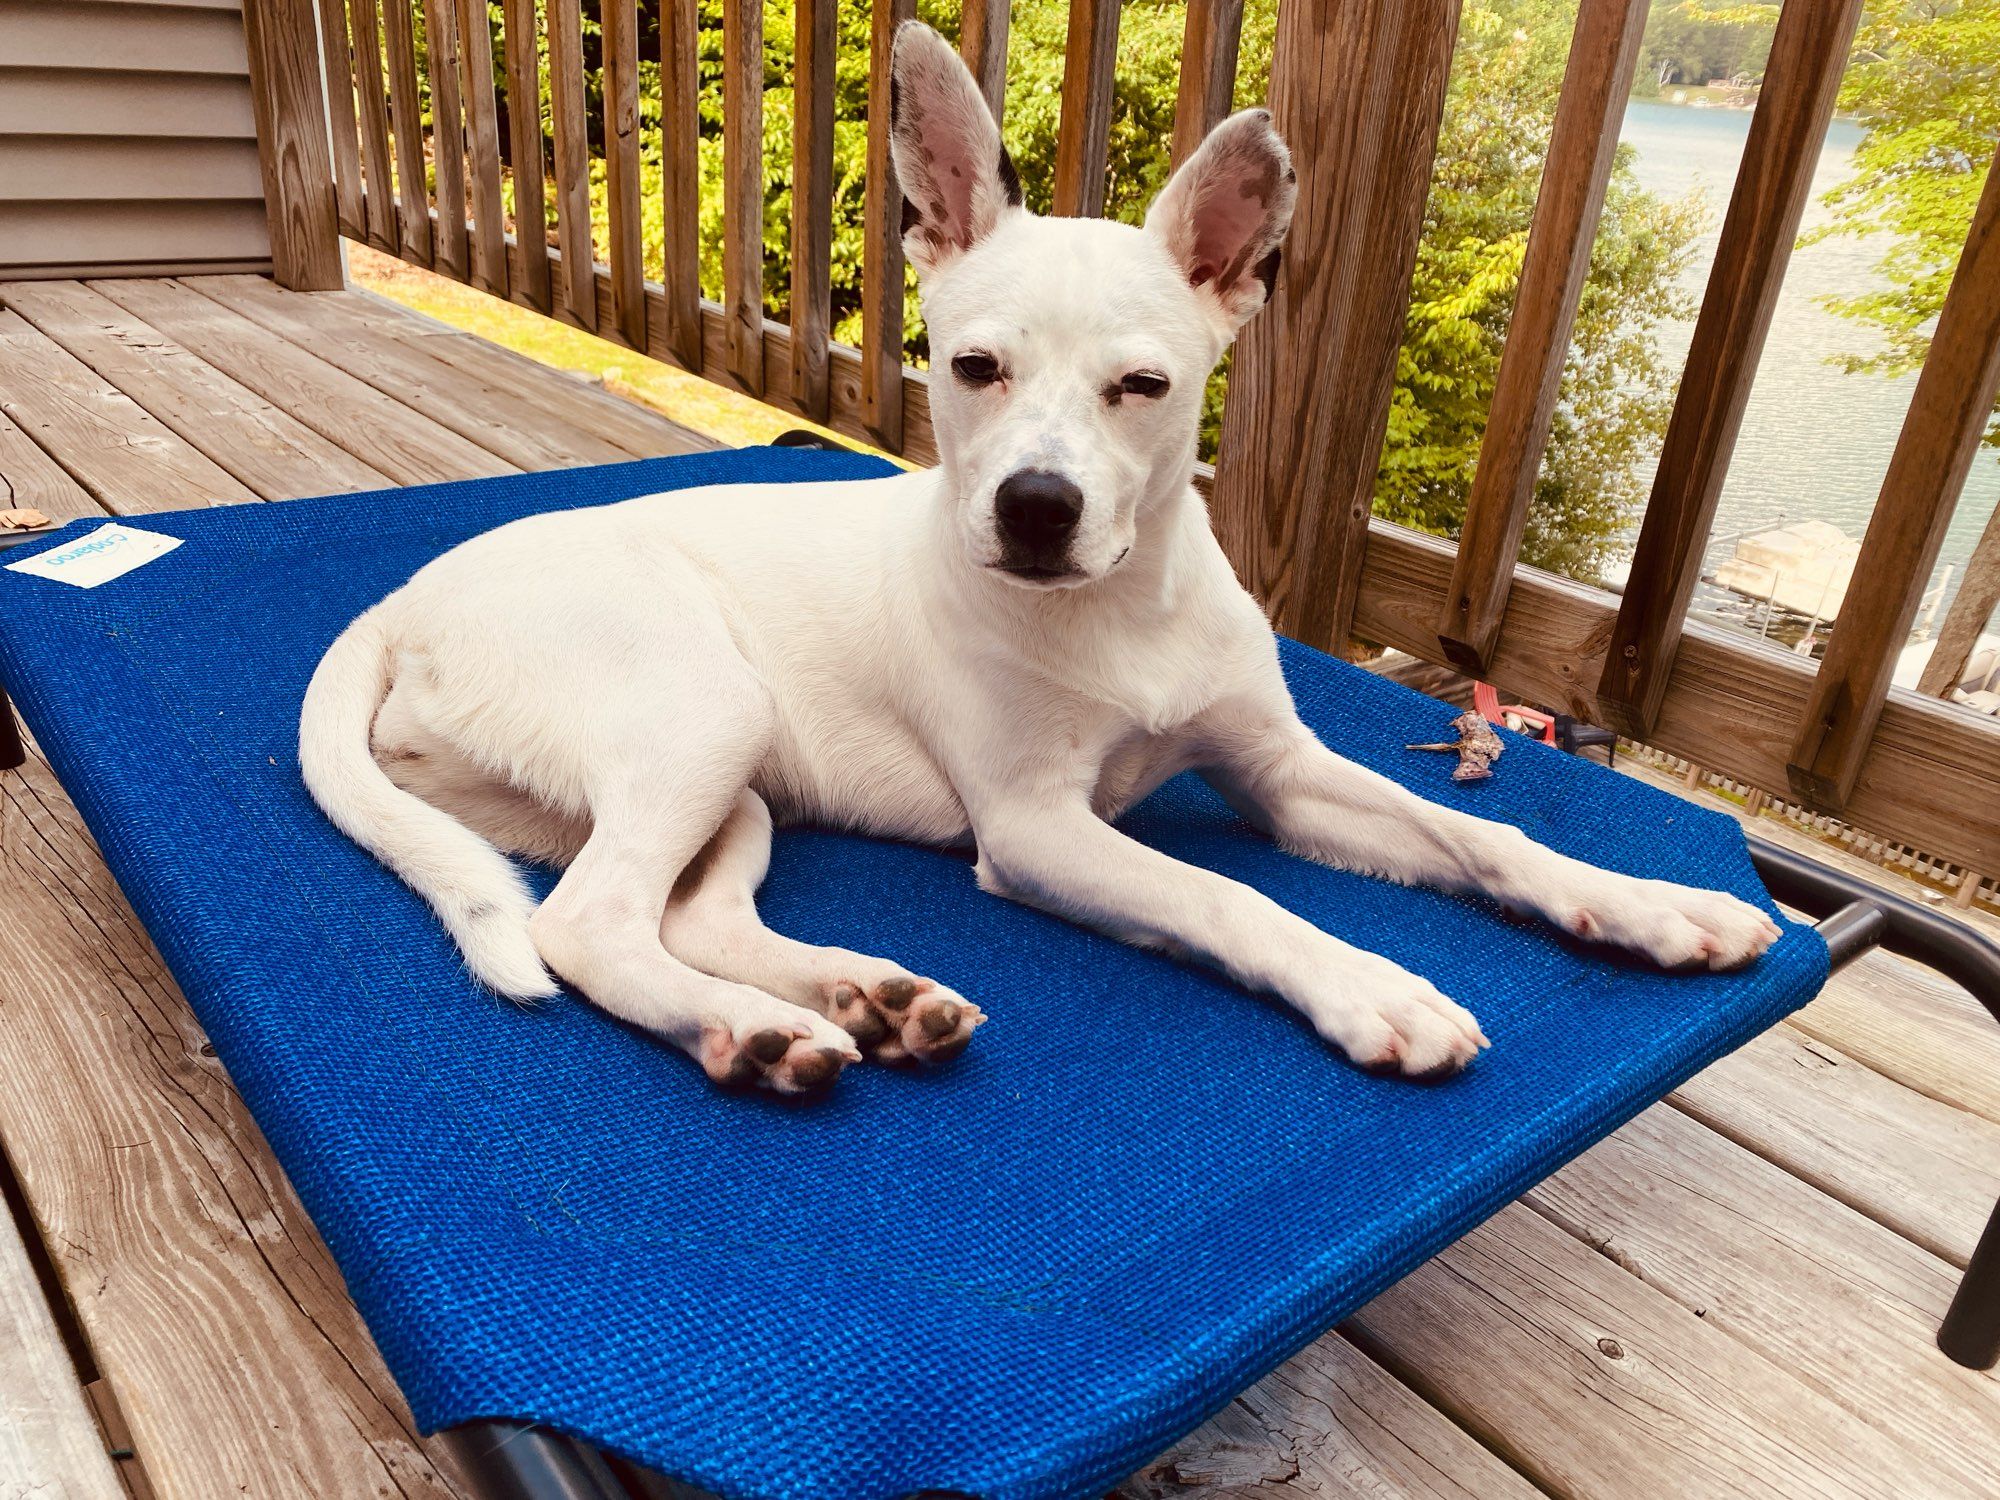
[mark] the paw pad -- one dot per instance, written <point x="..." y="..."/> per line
<point x="904" y="1019"/>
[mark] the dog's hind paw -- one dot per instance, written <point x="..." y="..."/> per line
<point x="793" y="1058"/>
<point x="903" y="1019"/>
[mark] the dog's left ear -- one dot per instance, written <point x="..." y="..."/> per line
<point x="1224" y="213"/>
<point x="956" y="177"/>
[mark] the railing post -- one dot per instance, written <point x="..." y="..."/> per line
<point x="1787" y="132"/>
<point x="1357" y="90"/>
<point x="293" y="145"/>
<point x="1947" y="418"/>
<point x="1213" y="37"/>
<point x="1583" y="143"/>
<point x="1978" y="596"/>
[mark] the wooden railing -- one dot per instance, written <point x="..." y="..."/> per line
<point x="1358" y="87"/>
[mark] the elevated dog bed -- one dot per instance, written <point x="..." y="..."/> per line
<point x="1020" y="1275"/>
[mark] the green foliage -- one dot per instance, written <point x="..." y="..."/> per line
<point x="1502" y="99"/>
<point x="1616" y="390"/>
<point x="1925" y="79"/>
<point x="1691" y="42"/>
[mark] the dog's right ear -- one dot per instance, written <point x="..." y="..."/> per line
<point x="956" y="177"/>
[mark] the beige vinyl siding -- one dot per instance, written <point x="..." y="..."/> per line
<point x="127" y="140"/>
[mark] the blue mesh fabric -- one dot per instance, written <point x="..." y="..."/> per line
<point x="1019" y="1276"/>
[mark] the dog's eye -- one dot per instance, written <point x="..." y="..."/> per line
<point x="1143" y="383"/>
<point x="976" y="369"/>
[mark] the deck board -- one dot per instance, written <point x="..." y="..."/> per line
<point x="501" y="418"/>
<point x="129" y="460"/>
<point x="1734" y="1295"/>
<point x="1844" y="1304"/>
<point x="49" y="1443"/>
<point x="1585" y="1377"/>
<point x="269" y="450"/>
<point x="1928" y="1171"/>
<point x="406" y="445"/>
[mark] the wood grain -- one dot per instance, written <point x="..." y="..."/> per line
<point x="270" y="451"/>
<point x="404" y="445"/>
<point x="1780" y="155"/>
<point x="812" y="205"/>
<point x="1208" y="71"/>
<point x="1083" y="137"/>
<point x="344" y="123"/>
<point x="1941" y="433"/>
<point x="444" y="61"/>
<point x="1844" y="1305"/>
<point x="881" y="370"/>
<point x="127" y="459"/>
<point x="1329" y="1423"/>
<point x="413" y="197"/>
<point x="371" y="95"/>
<point x="1585" y="1379"/>
<point x="1971" y="608"/>
<point x="620" y="19"/>
<point x="504" y="419"/>
<point x="210" y="1305"/>
<point x="49" y="1443"/>
<point x="1923" y="1169"/>
<point x="1730" y="706"/>
<point x="1582" y="146"/>
<point x="292" y="143"/>
<point x="1354" y="85"/>
<point x="1912" y="1027"/>
<point x="676" y="335"/>
<point x="743" y="192"/>
<point x="982" y="42"/>
<point x="564" y="399"/>
<point x="572" y="161"/>
<point x="482" y="139"/>
<point x="31" y="480"/>
<point x="529" y="283"/>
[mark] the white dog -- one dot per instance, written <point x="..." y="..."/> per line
<point x="1013" y="647"/>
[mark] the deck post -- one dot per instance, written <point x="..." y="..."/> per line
<point x="293" y="144"/>
<point x="1357" y="91"/>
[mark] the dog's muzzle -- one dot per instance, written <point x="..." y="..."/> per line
<point x="1035" y="514"/>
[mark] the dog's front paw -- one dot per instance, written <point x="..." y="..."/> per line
<point x="1392" y="1021"/>
<point x="784" y="1056"/>
<point x="1678" y="927"/>
<point x="904" y="1019"/>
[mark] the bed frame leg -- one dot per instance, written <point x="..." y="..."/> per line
<point x="1970" y="1332"/>
<point x="12" y="751"/>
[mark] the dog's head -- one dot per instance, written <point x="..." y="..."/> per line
<point x="1069" y="355"/>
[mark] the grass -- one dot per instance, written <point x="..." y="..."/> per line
<point x="724" y="415"/>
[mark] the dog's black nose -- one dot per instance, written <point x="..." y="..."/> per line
<point x="1037" y="511"/>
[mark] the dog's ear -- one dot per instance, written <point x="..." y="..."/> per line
<point x="956" y="177"/>
<point x="1224" y="213"/>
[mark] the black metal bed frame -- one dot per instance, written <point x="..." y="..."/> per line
<point x="510" y="1460"/>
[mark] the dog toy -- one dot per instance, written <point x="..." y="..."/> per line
<point x="1477" y="746"/>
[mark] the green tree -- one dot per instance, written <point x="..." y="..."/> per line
<point x="1616" y="389"/>
<point x="1925" y="80"/>
<point x="1689" y="43"/>
<point x="1501" y="105"/>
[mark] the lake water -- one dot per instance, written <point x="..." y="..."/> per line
<point x="1815" y="442"/>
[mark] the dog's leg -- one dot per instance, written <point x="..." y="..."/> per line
<point x="712" y="924"/>
<point x="600" y="927"/>
<point x="1057" y="854"/>
<point x="1278" y="774"/>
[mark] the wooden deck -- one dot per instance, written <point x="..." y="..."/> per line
<point x="1733" y="1296"/>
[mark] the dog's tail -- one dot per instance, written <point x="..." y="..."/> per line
<point x="477" y="893"/>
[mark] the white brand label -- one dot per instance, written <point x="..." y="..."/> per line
<point x="107" y="553"/>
